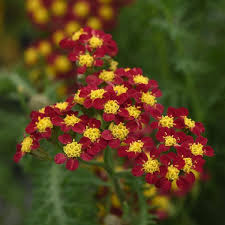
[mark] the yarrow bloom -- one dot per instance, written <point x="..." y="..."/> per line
<point x="118" y="108"/>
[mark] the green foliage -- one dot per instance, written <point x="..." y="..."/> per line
<point x="60" y="196"/>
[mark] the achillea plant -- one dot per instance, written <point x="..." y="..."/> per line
<point x="116" y="115"/>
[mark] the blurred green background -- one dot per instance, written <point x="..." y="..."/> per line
<point x="179" y="43"/>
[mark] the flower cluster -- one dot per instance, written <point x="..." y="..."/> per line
<point x="69" y="15"/>
<point x="168" y="149"/>
<point x="47" y="63"/>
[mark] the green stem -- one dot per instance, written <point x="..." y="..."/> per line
<point x="109" y="166"/>
<point x="143" y="209"/>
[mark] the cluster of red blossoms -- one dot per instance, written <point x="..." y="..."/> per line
<point x="62" y="18"/>
<point x="66" y="15"/>
<point x="118" y="108"/>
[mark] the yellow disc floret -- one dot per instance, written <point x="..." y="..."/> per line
<point x="94" y="23"/>
<point x="119" y="131"/>
<point x="97" y="94"/>
<point x="43" y="124"/>
<point x="45" y="48"/>
<point x="170" y="141"/>
<point x="111" y="107"/>
<point x="30" y="56"/>
<point x="148" y="98"/>
<point x="41" y="15"/>
<point x="95" y="42"/>
<point x="136" y="146"/>
<point x="72" y="27"/>
<point x="166" y="121"/>
<point x="86" y="60"/>
<point x="140" y="79"/>
<point x="133" y="111"/>
<point x="151" y="165"/>
<point x="73" y="149"/>
<point x="188" y="165"/>
<point x="62" y="105"/>
<point x="71" y="120"/>
<point x="77" y="34"/>
<point x="189" y="123"/>
<point x="62" y="64"/>
<point x="78" y="99"/>
<point x="33" y="5"/>
<point x="92" y="133"/>
<point x="113" y="65"/>
<point x="81" y="8"/>
<point x="106" y="12"/>
<point x="120" y="89"/>
<point x="26" y="144"/>
<point x="196" y="149"/>
<point x="161" y="202"/>
<point x="107" y="76"/>
<point x="58" y="36"/>
<point x="59" y="7"/>
<point x="172" y="173"/>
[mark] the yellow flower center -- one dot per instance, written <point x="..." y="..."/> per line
<point x="58" y="36"/>
<point x="77" y="34"/>
<point x="59" y="8"/>
<point x="45" y="48"/>
<point x="170" y="141"/>
<point x="97" y="93"/>
<point x="78" y="99"/>
<point x="120" y="89"/>
<point x="172" y="173"/>
<point x="107" y="76"/>
<point x="94" y="23"/>
<point x="106" y="12"/>
<point x="188" y="165"/>
<point x="140" y="79"/>
<point x="113" y="65"/>
<point x="62" y="64"/>
<point x="136" y="146"/>
<point x="196" y="149"/>
<point x="41" y="15"/>
<point x="43" y="124"/>
<point x="81" y="8"/>
<point x="62" y="105"/>
<point x="95" y="42"/>
<point x="42" y="110"/>
<point x="133" y="111"/>
<point x="71" y="27"/>
<point x="30" y="56"/>
<point x="151" y="166"/>
<point x="73" y="149"/>
<point x="86" y="60"/>
<point x="166" y="121"/>
<point x="70" y="120"/>
<point x="92" y="133"/>
<point x="161" y="202"/>
<point x="119" y="131"/>
<point x="148" y="98"/>
<point x="26" y="144"/>
<point x="111" y="107"/>
<point x="33" y="5"/>
<point x="189" y="123"/>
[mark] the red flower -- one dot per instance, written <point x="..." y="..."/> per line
<point x="94" y="97"/>
<point x="198" y="147"/>
<point x="71" y="121"/>
<point x="169" y="138"/>
<point x="28" y="144"/>
<point x="147" y="164"/>
<point x="135" y="147"/>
